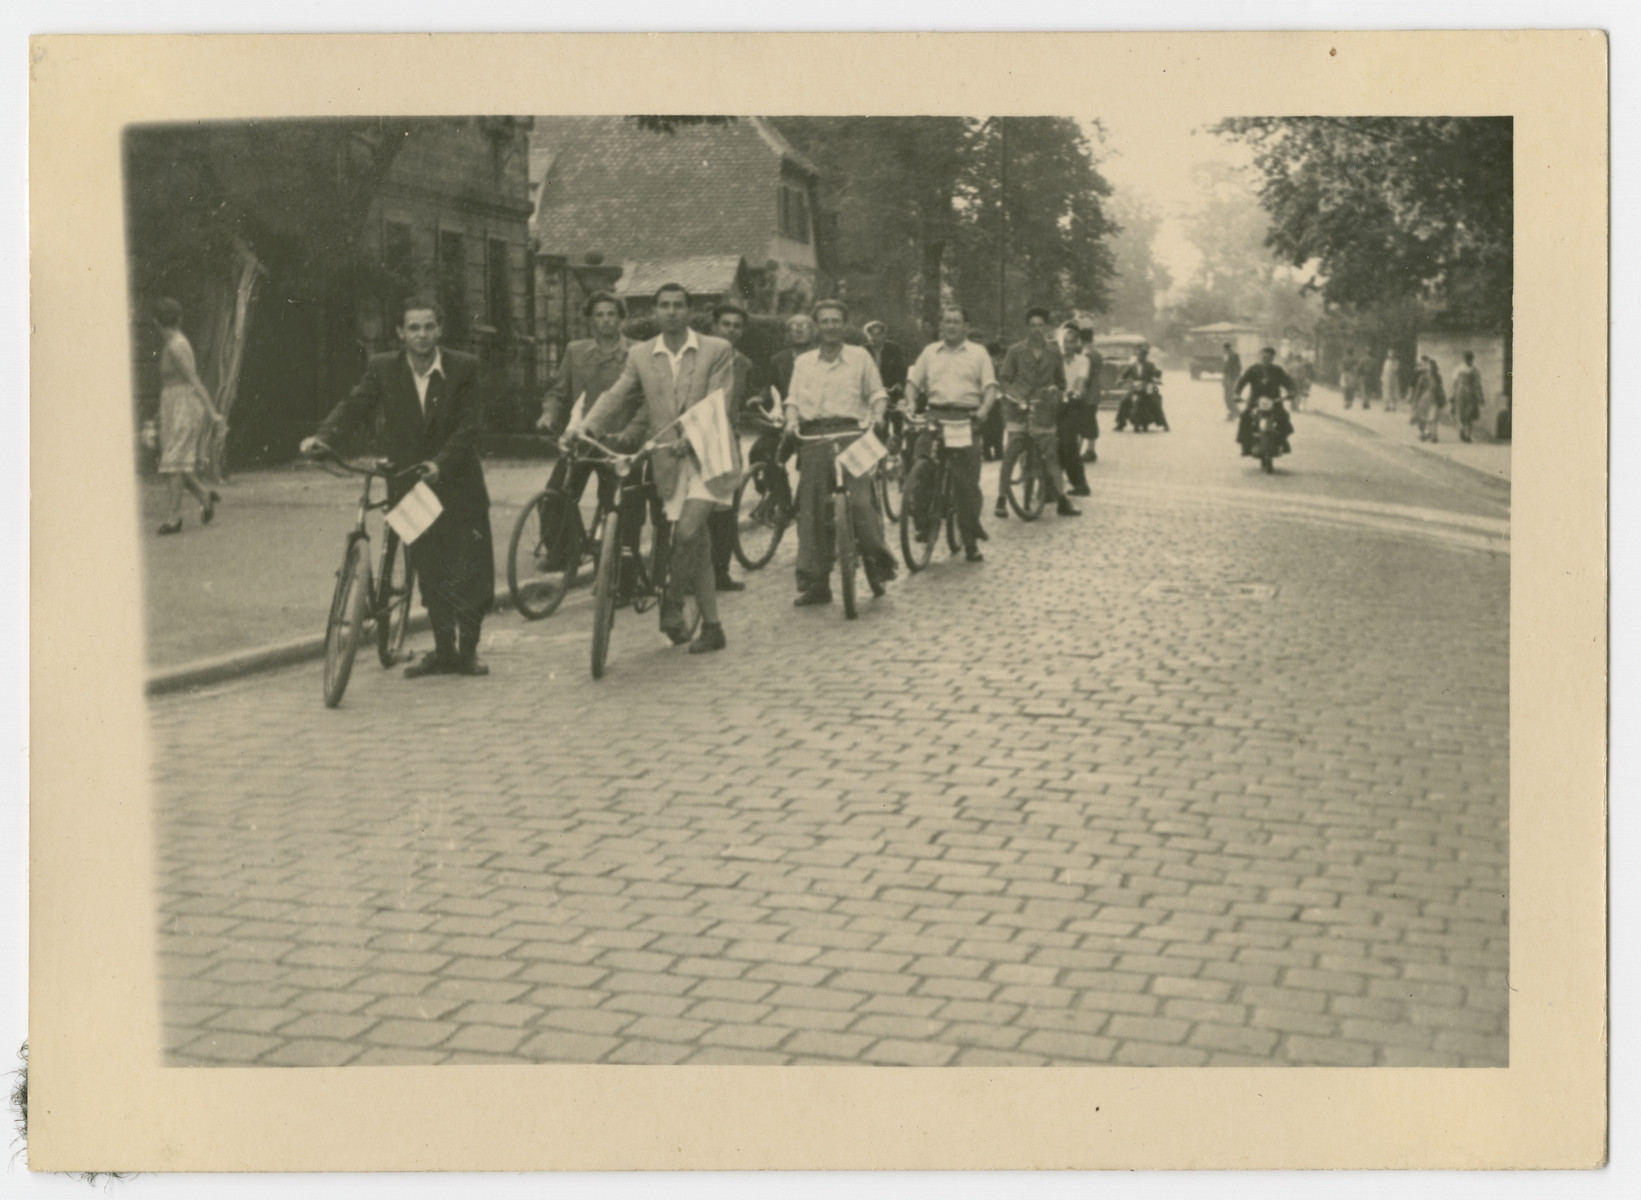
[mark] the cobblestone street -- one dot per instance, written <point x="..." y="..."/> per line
<point x="1215" y="775"/>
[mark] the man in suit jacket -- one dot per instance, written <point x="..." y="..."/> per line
<point x="432" y="415"/>
<point x="663" y="377"/>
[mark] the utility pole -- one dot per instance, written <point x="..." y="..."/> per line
<point x="1002" y="227"/>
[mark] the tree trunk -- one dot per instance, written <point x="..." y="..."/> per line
<point x="934" y="252"/>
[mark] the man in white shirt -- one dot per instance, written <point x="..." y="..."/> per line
<point x="957" y="382"/>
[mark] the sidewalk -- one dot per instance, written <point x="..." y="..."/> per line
<point x="259" y="578"/>
<point x="1489" y="458"/>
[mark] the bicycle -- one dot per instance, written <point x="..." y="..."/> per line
<point x="929" y="498"/>
<point x="549" y="546"/>
<point x="890" y="475"/>
<point x="763" y="513"/>
<point x="620" y="563"/>
<point x="838" y="520"/>
<point x="1027" y="482"/>
<point x="360" y="600"/>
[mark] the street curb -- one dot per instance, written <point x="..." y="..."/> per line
<point x="267" y="658"/>
<point x="1495" y="480"/>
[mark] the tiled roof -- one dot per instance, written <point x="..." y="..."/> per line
<point x="703" y="275"/>
<point x="628" y="193"/>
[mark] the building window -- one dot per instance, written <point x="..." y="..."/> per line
<point x="453" y="282"/>
<point x="499" y="289"/>
<point x="793" y="212"/>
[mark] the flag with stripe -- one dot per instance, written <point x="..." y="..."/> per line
<point x="863" y="454"/>
<point x="710" y="435"/>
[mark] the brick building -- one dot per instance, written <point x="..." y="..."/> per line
<point x="616" y="203"/>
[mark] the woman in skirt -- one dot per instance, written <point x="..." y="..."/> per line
<point x="187" y="416"/>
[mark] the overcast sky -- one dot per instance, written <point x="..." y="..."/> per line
<point x="1149" y="151"/>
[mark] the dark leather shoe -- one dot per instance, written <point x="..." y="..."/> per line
<point x="672" y="622"/>
<point x="709" y="639"/>
<point x="209" y="508"/>
<point x="1065" y="510"/>
<point x="1001" y="510"/>
<point x="972" y="554"/>
<point x="726" y="584"/>
<point x="431" y="663"/>
<point x="1081" y="492"/>
<point x="813" y="596"/>
<point x="471" y="665"/>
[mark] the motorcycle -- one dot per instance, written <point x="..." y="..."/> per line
<point x="1267" y="436"/>
<point x="1143" y="407"/>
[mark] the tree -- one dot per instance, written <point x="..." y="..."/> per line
<point x="1139" y="278"/>
<point x="1054" y="229"/>
<point x="1391" y="209"/>
<point x="892" y="182"/>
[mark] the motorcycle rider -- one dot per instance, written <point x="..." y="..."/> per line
<point x="1265" y="380"/>
<point x="1140" y="374"/>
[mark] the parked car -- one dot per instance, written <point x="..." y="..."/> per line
<point x="1117" y="349"/>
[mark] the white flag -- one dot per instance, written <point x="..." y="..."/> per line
<point x="706" y="425"/>
<point x="862" y="455"/>
<point x="411" y="517"/>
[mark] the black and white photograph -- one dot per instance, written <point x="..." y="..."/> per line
<point x="730" y="621"/>
<point x="924" y="591"/>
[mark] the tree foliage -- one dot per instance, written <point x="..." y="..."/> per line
<point x="1391" y="209"/>
<point x="1138" y="276"/>
<point x="918" y="208"/>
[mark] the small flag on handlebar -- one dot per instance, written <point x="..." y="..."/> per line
<point x="863" y="454"/>
<point x="412" y="516"/>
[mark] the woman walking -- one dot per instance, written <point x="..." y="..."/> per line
<point x="1390" y="382"/>
<point x="187" y="415"/>
<point x="1428" y="399"/>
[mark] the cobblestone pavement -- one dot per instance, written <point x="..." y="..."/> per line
<point x="1215" y="775"/>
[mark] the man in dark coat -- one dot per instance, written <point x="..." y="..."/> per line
<point x="1264" y="380"/>
<point x="431" y="417"/>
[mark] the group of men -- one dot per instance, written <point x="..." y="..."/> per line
<point x="817" y="395"/>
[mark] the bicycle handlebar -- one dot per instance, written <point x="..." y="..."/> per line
<point x="378" y="469"/>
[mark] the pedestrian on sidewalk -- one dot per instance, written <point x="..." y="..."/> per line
<point x="187" y="416"/>
<point x="1348" y="371"/>
<point x="1230" y="370"/>
<point x="835" y="389"/>
<point x="1390" y="382"/>
<point x="1468" y="396"/>
<point x="729" y="322"/>
<point x="432" y="415"/>
<point x="1428" y="399"/>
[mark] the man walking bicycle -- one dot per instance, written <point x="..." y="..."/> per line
<point x="835" y="389"/>
<point x="955" y="378"/>
<point x="432" y="416"/>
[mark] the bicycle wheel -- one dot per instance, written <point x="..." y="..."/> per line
<point x="604" y="588"/>
<point x="347" y="617"/>
<point x="543" y="554"/>
<point x="920" y="515"/>
<point x="1024" y="485"/>
<point x="954" y="543"/>
<point x="844" y="530"/>
<point x="394" y="583"/>
<point x="889" y="481"/>
<point x="761" y="515"/>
